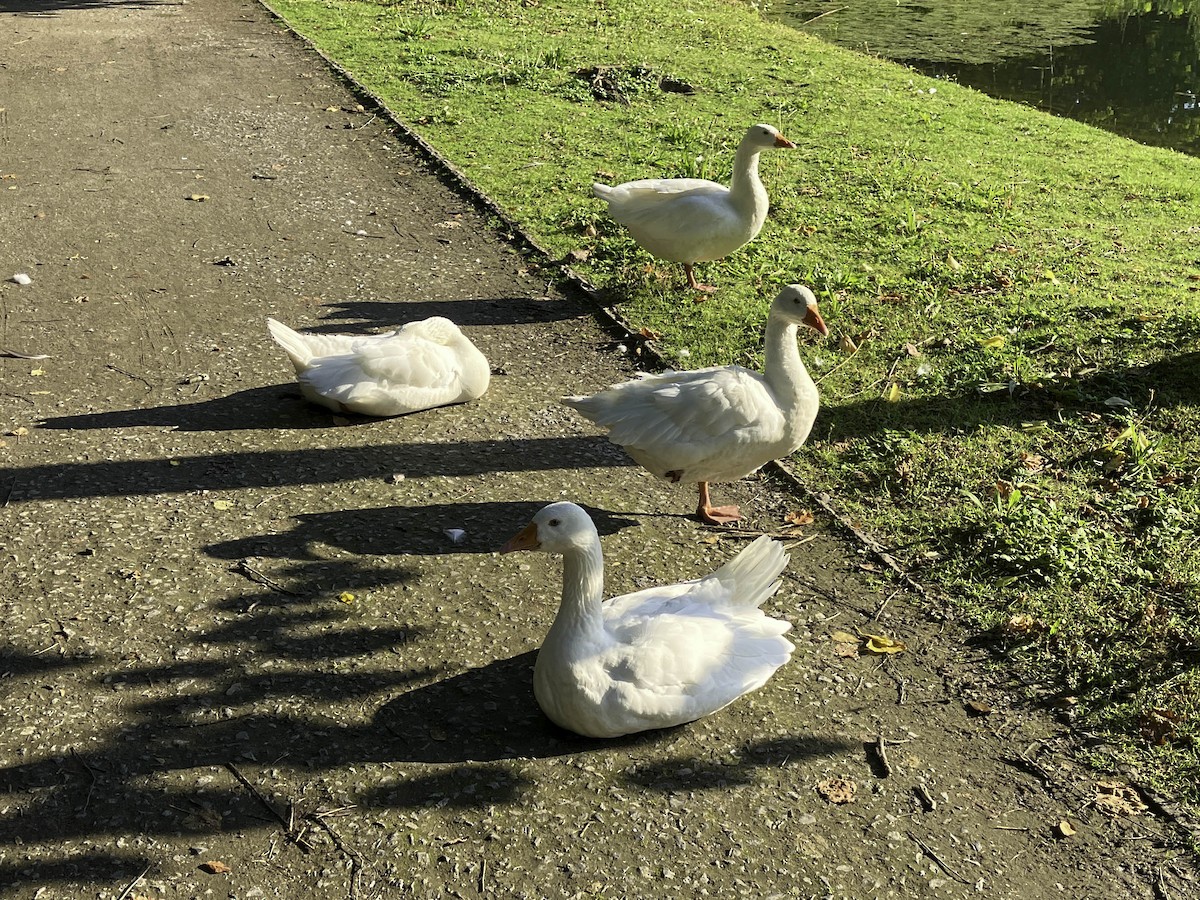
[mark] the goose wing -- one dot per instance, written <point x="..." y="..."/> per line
<point x="684" y="417"/>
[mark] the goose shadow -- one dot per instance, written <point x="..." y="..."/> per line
<point x="263" y="408"/>
<point x="696" y="775"/>
<point x="487" y="714"/>
<point x="310" y="465"/>
<point x="391" y="530"/>
<point x="375" y="314"/>
<point x="51" y="7"/>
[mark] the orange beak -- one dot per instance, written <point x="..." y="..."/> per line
<point x="813" y="320"/>
<point x="781" y="141"/>
<point x="525" y="539"/>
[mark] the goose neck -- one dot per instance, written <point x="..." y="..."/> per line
<point x="745" y="186"/>
<point x="583" y="589"/>
<point x="783" y="368"/>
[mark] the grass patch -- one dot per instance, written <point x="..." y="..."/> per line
<point x="1022" y="418"/>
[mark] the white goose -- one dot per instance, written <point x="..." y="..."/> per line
<point x="690" y="220"/>
<point x="721" y="423"/>
<point x="658" y="657"/>
<point x="419" y="366"/>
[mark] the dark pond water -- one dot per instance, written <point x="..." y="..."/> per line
<point x="1129" y="66"/>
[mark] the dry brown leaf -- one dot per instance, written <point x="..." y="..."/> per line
<point x="198" y="198"/>
<point x="977" y="707"/>
<point x="1118" y="799"/>
<point x="837" y="790"/>
<point x="847" y="345"/>
<point x="844" y="637"/>
<point x="846" y="651"/>
<point x="215" y="867"/>
<point x="799" y="517"/>
<point x="1064" y="829"/>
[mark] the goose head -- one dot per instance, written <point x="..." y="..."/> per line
<point x="797" y="305"/>
<point x="557" y="528"/>
<point x="764" y="136"/>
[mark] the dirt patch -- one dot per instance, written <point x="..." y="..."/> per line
<point x="187" y="682"/>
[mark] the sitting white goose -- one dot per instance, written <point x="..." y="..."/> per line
<point x="658" y="657"/>
<point x="691" y="220"/>
<point x="419" y="366"/>
<point x="721" y="423"/>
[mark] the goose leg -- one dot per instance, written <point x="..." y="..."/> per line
<point x="694" y="284"/>
<point x="714" y="515"/>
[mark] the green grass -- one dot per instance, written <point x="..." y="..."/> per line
<point x="1022" y="419"/>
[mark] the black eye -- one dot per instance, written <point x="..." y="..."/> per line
<point x="553" y="523"/>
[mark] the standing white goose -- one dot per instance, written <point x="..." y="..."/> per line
<point x="721" y="423"/>
<point x="658" y="657"/>
<point x="419" y="366"/>
<point x="691" y="220"/>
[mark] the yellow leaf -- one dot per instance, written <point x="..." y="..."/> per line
<point x="995" y="341"/>
<point x="198" y="198"/>
<point x="173" y="462"/>
<point x="38" y="372"/>
<point x="222" y="504"/>
<point x="346" y="597"/>
<point x="892" y="394"/>
<point x="1064" y="829"/>
<point x="843" y="637"/>
<point x="878" y="643"/>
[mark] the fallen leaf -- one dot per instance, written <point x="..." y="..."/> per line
<point x="222" y="504"/>
<point x="847" y="345"/>
<point x="878" y="643"/>
<point x="953" y="263"/>
<point x="994" y="341"/>
<point x="346" y="597"/>
<point x="1023" y="624"/>
<point x="844" y="637"/>
<point x="892" y="394"/>
<point x="977" y="707"/>
<point x="846" y="651"/>
<point x="37" y="372"/>
<point x="799" y="517"/>
<point x="214" y="867"/>
<point x="1064" y="829"/>
<point x="1118" y="799"/>
<point x="198" y="198"/>
<point x="837" y="790"/>
<point x="650" y="335"/>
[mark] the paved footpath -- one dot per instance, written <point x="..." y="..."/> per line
<point x="240" y="657"/>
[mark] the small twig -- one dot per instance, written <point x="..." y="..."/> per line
<point x="823" y="15"/>
<point x="928" y="803"/>
<point x="928" y="851"/>
<point x="91" y="787"/>
<point x="356" y="860"/>
<point x="129" y="887"/>
<point x="297" y="839"/>
<point x="883" y="603"/>
<point x="880" y="748"/>
<point x="130" y="375"/>
<point x="12" y="486"/>
<point x="243" y="568"/>
<point x="1011" y="827"/>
